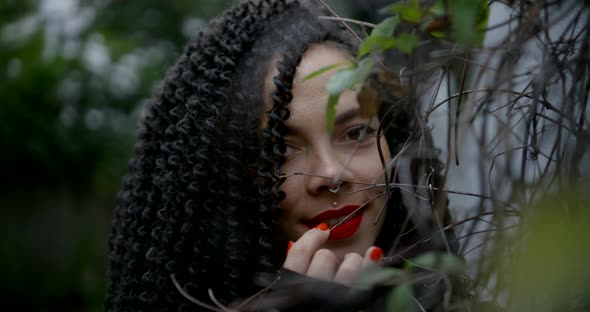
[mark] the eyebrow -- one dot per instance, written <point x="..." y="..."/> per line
<point x="340" y="119"/>
<point x="347" y="116"/>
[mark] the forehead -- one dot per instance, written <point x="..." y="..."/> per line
<point x="321" y="55"/>
<point x="310" y="97"/>
<point x="315" y="57"/>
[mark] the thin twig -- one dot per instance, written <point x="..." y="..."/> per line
<point x="348" y="20"/>
<point x="219" y="304"/>
<point x="356" y="210"/>
<point x="342" y="22"/>
<point x="191" y="298"/>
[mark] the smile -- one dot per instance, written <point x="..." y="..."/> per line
<point x="333" y="217"/>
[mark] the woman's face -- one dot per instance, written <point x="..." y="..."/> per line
<point x="317" y="156"/>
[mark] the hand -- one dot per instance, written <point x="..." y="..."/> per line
<point x="305" y="257"/>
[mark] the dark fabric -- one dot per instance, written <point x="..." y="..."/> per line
<point x="296" y="292"/>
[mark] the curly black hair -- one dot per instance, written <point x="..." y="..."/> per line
<point x="202" y="193"/>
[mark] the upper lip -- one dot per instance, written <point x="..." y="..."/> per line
<point x="332" y="214"/>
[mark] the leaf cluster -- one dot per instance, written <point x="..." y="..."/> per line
<point x="453" y="20"/>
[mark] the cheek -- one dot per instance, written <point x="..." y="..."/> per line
<point x="369" y="166"/>
<point x="386" y="155"/>
<point x="288" y="188"/>
<point x="294" y="184"/>
<point x="292" y="187"/>
<point x="288" y="205"/>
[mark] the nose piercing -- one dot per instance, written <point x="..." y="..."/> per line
<point x="334" y="190"/>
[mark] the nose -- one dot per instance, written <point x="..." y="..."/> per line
<point x="328" y="170"/>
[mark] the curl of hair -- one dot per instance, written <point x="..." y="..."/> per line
<point x="184" y="208"/>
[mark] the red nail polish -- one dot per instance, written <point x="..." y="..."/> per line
<point x="322" y="227"/>
<point x="376" y="254"/>
<point x="289" y="245"/>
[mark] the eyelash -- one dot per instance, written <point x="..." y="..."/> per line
<point x="287" y="146"/>
<point x="368" y="132"/>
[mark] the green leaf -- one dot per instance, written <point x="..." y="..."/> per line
<point x="482" y="21"/>
<point x="331" y="111"/>
<point x="386" y="27"/>
<point x="341" y="81"/>
<point x="345" y="79"/>
<point x="400" y="299"/>
<point x="374" y="44"/>
<point x="323" y="70"/>
<point x="438" y="261"/>
<point x="376" y="276"/>
<point x="409" y="11"/>
<point x="469" y="21"/>
<point x="439" y="34"/>
<point x="364" y="68"/>
<point x="406" y="42"/>
<point x="412" y="15"/>
<point x="349" y="77"/>
<point x="438" y="8"/>
<point x="426" y="260"/>
<point x="380" y="38"/>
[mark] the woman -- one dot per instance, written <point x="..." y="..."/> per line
<point x="235" y="166"/>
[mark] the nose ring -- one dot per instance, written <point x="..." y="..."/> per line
<point x="334" y="190"/>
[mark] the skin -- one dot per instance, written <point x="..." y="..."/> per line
<point x="325" y="155"/>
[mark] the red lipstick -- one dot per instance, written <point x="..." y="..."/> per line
<point x="344" y="230"/>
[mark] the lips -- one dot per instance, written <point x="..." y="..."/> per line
<point x="344" y="230"/>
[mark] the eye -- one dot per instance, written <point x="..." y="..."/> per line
<point x="359" y="133"/>
<point x="290" y="149"/>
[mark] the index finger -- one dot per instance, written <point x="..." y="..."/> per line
<point x="304" y="248"/>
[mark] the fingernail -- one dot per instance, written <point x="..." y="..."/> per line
<point x="376" y="254"/>
<point x="322" y="227"/>
<point x="289" y="245"/>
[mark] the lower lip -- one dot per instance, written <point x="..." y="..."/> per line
<point x="346" y="229"/>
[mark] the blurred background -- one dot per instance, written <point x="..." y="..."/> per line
<point x="74" y="76"/>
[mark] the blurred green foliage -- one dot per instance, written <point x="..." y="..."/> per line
<point x="74" y="76"/>
<point x="546" y="268"/>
